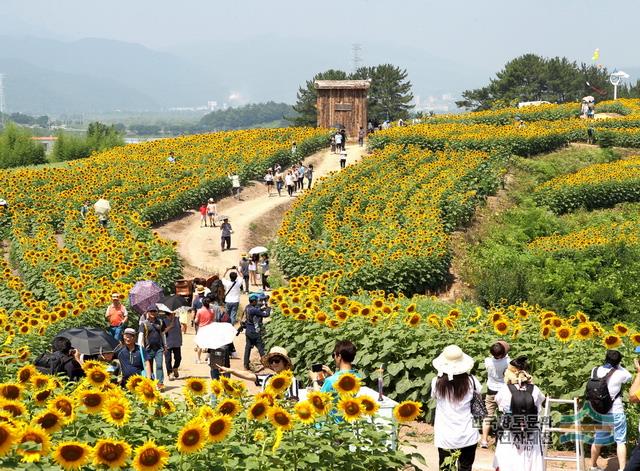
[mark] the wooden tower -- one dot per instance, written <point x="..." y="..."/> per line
<point x="343" y="103"/>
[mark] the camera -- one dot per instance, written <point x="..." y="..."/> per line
<point x="243" y="325"/>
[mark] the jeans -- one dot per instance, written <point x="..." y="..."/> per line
<point x="279" y="186"/>
<point x="155" y="357"/>
<point x="465" y="462"/>
<point x="265" y="282"/>
<point x="309" y="183"/>
<point x="246" y="283"/>
<point x="116" y="332"/>
<point x="225" y="240"/>
<point x="253" y="340"/>
<point x="176" y="353"/>
<point x="232" y="309"/>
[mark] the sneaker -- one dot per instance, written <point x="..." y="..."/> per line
<point x="160" y="387"/>
<point x="176" y="375"/>
<point x="596" y="468"/>
<point x="484" y="444"/>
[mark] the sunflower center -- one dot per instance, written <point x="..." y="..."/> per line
<point x="31" y="437"/>
<point x="98" y="376"/>
<point x="352" y="408"/>
<point x="406" y="410"/>
<point x="117" y="412"/>
<point x="48" y="420"/>
<point x="149" y="457"/>
<point x="347" y="383"/>
<point x="258" y="410"/>
<point x="65" y="407"/>
<point x="42" y="395"/>
<point x="72" y="452"/>
<point x="216" y="427"/>
<point x="92" y="400"/>
<point x="191" y="437"/>
<point x="11" y="392"/>
<point x="227" y="408"/>
<point x="281" y="419"/>
<point x="4" y="435"/>
<point x="110" y="451"/>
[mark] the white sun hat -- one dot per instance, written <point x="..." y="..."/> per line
<point x="453" y="361"/>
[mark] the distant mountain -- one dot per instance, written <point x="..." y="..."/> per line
<point x="128" y="76"/>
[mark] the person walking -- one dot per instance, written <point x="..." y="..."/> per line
<point x="361" y="133"/>
<point x="243" y="269"/>
<point x="269" y="180"/>
<point x="519" y="444"/>
<point x="309" y="176"/>
<point x="235" y="185"/>
<point x="117" y="316"/>
<point x="225" y="234"/>
<point x="343" y="133"/>
<point x="212" y="212"/>
<point x="173" y="354"/>
<point x="264" y="265"/>
<point x="338" y="138"/>
<point x="151" y="337"/>
<point x="453" y="389"/>
<point x="253" y="270"/>
<point x="614" y="376"/>
<point x="204" y="316"/>
<point x="279" y="177"/>
<point x="332" y="143"/>
<point x="343" y="158"/>
<point x="288" y="180"/>
<point x="496" y="365"/>
<point x="301" y="172"/>
<point x="133" y="359"/>
<point x="203" y="215"/>
<point x="233" y="289"/>
<point x="253" y="330"/>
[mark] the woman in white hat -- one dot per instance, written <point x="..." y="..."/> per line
<point x="276" y="360"/>
<point x="453" y="390"/>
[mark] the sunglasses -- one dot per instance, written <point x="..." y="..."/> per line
<point x="275" y="360"/>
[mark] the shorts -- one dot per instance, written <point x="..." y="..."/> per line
<point x="619" y="430"/>
<point x="491" y="404"/>
<point x="270" y="183"/>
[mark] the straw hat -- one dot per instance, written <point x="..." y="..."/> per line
<point x="453" y="361"/>
<point x="199" y="289"/>
<point x="277" y="352"/>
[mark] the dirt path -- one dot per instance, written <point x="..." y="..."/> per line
<point x="199" y="248"/>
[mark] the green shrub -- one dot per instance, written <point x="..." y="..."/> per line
<point x="18" y="149"/>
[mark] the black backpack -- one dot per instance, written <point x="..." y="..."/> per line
<point x="522" y="403"/>
<point x="597" y="392"/>
<point x="52" y="363"/>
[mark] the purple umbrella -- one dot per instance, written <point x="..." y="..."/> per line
<point x="143" y="295"/>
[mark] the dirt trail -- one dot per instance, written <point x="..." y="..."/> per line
<point x="199" y="248"/>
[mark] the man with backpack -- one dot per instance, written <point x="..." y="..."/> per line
<point x="152" y="338"/>
<point x="604" y="395"/>
<point x="253" y="334"/>
<point x="62" y="360"/>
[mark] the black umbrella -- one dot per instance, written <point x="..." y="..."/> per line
<point x="90" y="340"/>
<point x="173" y="302"/>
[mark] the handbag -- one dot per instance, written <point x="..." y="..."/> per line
<point x="478" y="407"/>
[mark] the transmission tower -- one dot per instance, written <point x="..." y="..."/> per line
<point x="2" y="105"/>
<point x="356" y="49"/>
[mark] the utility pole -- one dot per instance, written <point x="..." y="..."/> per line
<point x="356" y="59"/>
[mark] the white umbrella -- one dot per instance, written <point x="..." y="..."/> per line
<point x="588" y="98"/>
<point x="258" y="250"/>
<point x="102" y="206"/>
<point x="215" y="335"/>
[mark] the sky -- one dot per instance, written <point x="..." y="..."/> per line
<point x="483" y="33"/>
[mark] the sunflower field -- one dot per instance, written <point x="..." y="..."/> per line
<point x="63" y="266"/>
<point x="95" y="424"/>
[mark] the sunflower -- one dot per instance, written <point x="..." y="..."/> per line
<point x="411" y="308"/>
<point x="25" y="373"/>
<point x="434" y="320"/>
<point x="11" y="391"/>
<point x="501" y="327"/>
<point x="218" y="428"/>
<point x="165" y="407"/>
<point x="635" y="338"/>
<point x="564" y="333"/>
<point x="279" y="383"/>
<point x="195" y="386"/>
<point x="621" y="329"/>
<point x="15" y="408"/>
<point x="71" y="454"/>
<point x="556" y="322"/>
<point x="455" y="313"/>
<point x="545" y="332"/>
<point x="583" y="331"/>
<point x="412" y="320"/>
<point x="407" y="411"/>
<point x="229" y="407"/>
<point x="38" y="443"/>
<point x="522" y="313"/>
<point x="116" y="411"/>
<point x="51" y="420"/>
<point x="581" y="316"/>
<point x="449" y="322"/>
<point x="350" y="408"/>
<point x="7" y="437"/>
<point x="280" y="418"/>
<point x="216" y="387"/>
<point x="43" y="381"/>
<point x="266" y="396"/>
<point x="321" y="402"/>
<point x="65" y="405"/>
<point x="611" y="341"/>
<point x="369" y="405"/>
<point x="258" y="410"/>
<point x="304" y="412"/>
<point x="192" y="437"/>
<point x="150" y="457"/>
<point x="147" y="391"/>
<point x="92" y="400"/>
<point x="111" y="453"/>
<point x="98" y="377"/>
<point x="133" y="382"/>
<point x="259" y="436"/>
<point x="41" y="397"/>
<point x="347" y="383"/>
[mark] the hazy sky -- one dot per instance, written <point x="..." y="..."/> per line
<point x="483" y="33"/>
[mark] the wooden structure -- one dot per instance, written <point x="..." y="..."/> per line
<point x="343" y="103"/>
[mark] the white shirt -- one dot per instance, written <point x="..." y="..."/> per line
<point x="495" y="372"/>
<point x="268" y="177"/>
<point x="288" y="180"/>
<point x="235" y="181"/>
<point x="338" y="138"/>
<point x="617" y="379"/>
<point x="234" y="293"/>
<point x="503" y="398"/>
<point x="453" y="427"/>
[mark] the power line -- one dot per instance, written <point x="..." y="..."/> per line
<point x="356" y="59"/>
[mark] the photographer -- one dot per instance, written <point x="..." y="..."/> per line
<point x="233" y="289"/>
<point x="254" y="315"/>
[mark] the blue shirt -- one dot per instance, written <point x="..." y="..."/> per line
<point x="327" y="386"/>
<point x="131" y="362"/>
